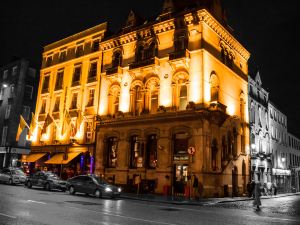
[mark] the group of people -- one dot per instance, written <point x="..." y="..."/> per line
<point x="256" y="190"/>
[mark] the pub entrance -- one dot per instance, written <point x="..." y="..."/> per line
<point x="180" y="172"/>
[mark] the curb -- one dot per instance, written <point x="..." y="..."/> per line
<point x="202" y="203"/>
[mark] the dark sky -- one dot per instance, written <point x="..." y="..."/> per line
<point x="266" y="28"/>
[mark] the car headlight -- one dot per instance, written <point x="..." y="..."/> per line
<point x="108" y="189"/>
<point x="119" y="189"/>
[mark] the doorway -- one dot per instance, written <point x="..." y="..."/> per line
<point x="180" y="178"/>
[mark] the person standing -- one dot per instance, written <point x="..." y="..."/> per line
<point x="196" y="187"/>
<point x="257" y="194"/>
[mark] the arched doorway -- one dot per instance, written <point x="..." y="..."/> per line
<point x="235" y="190"/>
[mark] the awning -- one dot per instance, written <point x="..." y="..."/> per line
<point x="33" y="157"/>
<point x="59" y="158"/>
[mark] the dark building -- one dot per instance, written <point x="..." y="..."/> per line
<point x="18" y="87"/>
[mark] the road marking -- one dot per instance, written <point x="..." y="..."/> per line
<point x="9" y="216"/>
<point x="126" y="217"/>
<point x="36" y="202"/>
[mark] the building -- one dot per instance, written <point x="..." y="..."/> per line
<point x="294" y="161"/>
<point x="18" y="89"/>
<point x="166" y="96"/>
<point x="173" y="102"/>
<point x="261" y="164"/>
<point x="279" y="145"/>
<point x="67" y="102"/>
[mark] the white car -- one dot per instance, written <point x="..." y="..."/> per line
<point x="12" y="176"/>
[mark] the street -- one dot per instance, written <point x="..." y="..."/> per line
<point x="20" y="205"/>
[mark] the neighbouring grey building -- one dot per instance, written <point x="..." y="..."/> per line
<point x="18" y="87"/>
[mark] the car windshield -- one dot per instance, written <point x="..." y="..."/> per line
<point x="52" y="175"/>
<point x="18" y="172"/>
<point x="98" y="180"/>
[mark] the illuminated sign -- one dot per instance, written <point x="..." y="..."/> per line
<point x="281" y="172"/>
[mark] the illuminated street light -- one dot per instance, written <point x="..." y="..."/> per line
<point x="5" y="85"/>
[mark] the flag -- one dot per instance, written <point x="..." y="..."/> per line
<point x="48" y="121"/>
<point x="32" y="125"/>
<point x="22" y="125"/>
<point x="79" y="120"/>
<point x="66" y="122"/>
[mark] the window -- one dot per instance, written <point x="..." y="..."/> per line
<point x="43" y="108"/>
<point x="95" y="45"/>
<point x="137" y="100"/>
<point x="117" y="59"/>
<point x="182" y="97"/>
<point x="214" y="88"/>
<point x="89" y="132"/>
<point x="150" y="52"/>
<point x="7" y="111"/>
<point x="139" y="54"/>
<point x="56" y="105"/>
<point x="91" y="97"/>
<point x="28" y="92"/>
<point x="112" y="148"/>
<point x="76" y="75"/>
<point x="152" y="151"/>
<point x="5" y="74"/>
<point x="214" y="152"/>
<point x="62" y="56"/>
<point x="45" y="84"/>
<point x="15" y="71"/>
<point x="26" y="112"/>
<point x="113" y="102"/>
<point x="49" y="61"/>
<point x="154" y="101"/>
<point x="59" y="80"/>
<point x="180" y="143"/>
<point x="74" y="101"/>
<point x="135" y="152"/>
<point x="93" y="69"/>
<point x="79" y="51"/>
<point x="4" y="135"/>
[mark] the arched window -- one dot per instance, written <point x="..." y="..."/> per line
<point x="138" y="100"/>
<point x="154" y="101"/>
<point x="117" y="59"/>
<point x="182" y="97"/>
<point x="214" y="88"/>
<point x="140" y="53"/>
<point x="214" y="151"/>
<point x="229" y="144"/>
<point x="135" y="152"/>
<point x="111" y="149"/>
<point x="152" y="151"/>
<point x="252" y="112"/>
<point x="113" y="102"/>
<point x="224" y="149"/>
<point x="234" y="146"/>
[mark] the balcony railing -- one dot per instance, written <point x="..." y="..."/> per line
<point x="142" y="63"/>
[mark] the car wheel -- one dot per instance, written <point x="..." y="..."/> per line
<point x="98" y="193"/>
<point x="71" y="190"/>
<point x="10" y="182"/>
<point x="29" y="185"/>
<point x="47" y="187"/>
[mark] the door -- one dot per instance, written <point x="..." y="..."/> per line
<point x="235" y="190"/>
<point x="180" y="178"/>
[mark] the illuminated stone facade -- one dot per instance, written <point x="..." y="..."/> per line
<point x="261" y="164"/>
<point x="173" y="102"/>
<point x="169" y="98"/>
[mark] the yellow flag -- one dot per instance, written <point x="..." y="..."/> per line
<point x="66" y="122"/>
<point x="48" y="121"/>
<point x="22" y="125"/>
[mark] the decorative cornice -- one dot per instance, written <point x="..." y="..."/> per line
<point x="207" y="18"/>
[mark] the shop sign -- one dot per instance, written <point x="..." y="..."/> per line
<point x="281" y="172"/>
<point x="181" y="158"/>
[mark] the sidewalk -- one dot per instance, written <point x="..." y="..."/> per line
<point x="200" y="202"/>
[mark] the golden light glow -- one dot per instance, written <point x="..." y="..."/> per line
<point x="125" y="93"/>
<point x="231" y="109"/>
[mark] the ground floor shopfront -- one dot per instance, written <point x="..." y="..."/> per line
<point x="11" y="156"/>
<point x="282" y="179"/>
<point x="261" y="169"/>
<point x="162" y="153"/>
<point x="64" y="160"/>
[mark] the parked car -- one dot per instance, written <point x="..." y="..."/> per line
<point x="12" y="175"/>
<point x="47" y="180"/>
<point x="94" y="185"/>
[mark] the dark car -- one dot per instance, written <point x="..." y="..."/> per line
<point x="12" y="175"/>
<point x="46" y="180"/>
<point x="91" y="184"/>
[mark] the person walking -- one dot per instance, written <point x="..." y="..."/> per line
<point x="196" y="187"/>
<point x="257" y="194"/>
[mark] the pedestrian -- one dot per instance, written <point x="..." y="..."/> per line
<point x="274" y="187"/>
<point x="252" y="188"/>
<point x="257" y="194"/>
<point x="195" y="187"/>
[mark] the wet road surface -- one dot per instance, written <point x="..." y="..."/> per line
<point x="19" y="205"/>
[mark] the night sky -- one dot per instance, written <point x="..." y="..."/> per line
<point x="266" y="28"/>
